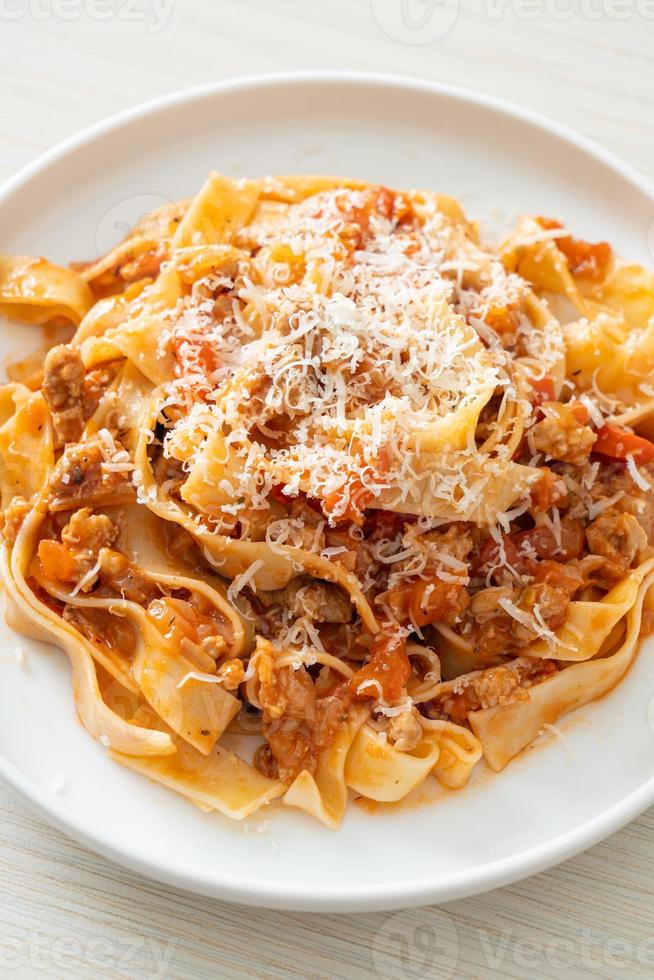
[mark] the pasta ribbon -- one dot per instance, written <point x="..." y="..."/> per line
<point x="26" y="443"/>
<point x="504" y="730"/>
<point x="380" y="772"/>
<point x="35" y="291"/>
<point x="221" y="782"/>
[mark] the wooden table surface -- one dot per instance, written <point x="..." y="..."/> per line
<point x="64" y="911"/>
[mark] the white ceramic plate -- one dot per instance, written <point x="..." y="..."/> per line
<point x="548" y="804"/>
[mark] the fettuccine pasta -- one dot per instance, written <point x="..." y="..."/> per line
<point x="325" y="496"/>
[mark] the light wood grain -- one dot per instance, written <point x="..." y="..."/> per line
<point x="67" y="913"/>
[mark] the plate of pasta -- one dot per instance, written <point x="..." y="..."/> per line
<point x="327" y="500"/>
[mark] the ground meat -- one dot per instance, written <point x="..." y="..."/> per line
<point x="550" y="602"/>
<point x="612" y="482"/>
<point x="336" y="538"/>
<point x="215" y="646"/>
<point x="76" y="558"/>
<point x="485" y="604"/>
<point x="297" y="725"/>
<point x="80" y="480"/>
<point x="617" y="537"/>
<point x="563" y="434"/>
<point x="11" y="520"/>
<point x="458" y="703"/>
<point x="497" y="635"/>
<point x="304" y="524"/>
<point x="120" y="577"/>
<point x="404" y="730"/>
<point x="638" y="502"/>
<point x="265" y="761"/>
<point x="86" y="530"/>
<point x="192" y="625"/>
<point x="95" y="384"/>
<point x="63" y="390"/>
<point x="455" y="543"/>
<point x="505" y="684"/>
<point x="498" y="685"/>
<point x="598" y="573"/>
<point x="289" y="719"/>
<point x="231" y="674"/>
<point x="322" y="602"/>
<point x="494" y="641"/>
<point x="311" y="524"/>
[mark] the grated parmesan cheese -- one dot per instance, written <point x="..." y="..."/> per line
<point x="369" y="684"/>
<point x="598" y="507"/>
<point x="196" y="675"/>
<point x="534" y="623"/>
<point x="60" y="783"/>
<point x="393" y="710"/>
<point x="593" y="410"/>
<point x="87" y="578"/>
<point x="359" y="368"/>
<point x="246" y="578"/>
<point x="565" y="741"/>
<point x="636" y="475"/>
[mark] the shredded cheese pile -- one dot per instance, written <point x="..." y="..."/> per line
<point x="351" y="365"/>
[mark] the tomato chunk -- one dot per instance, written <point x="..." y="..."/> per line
<point x="502" y="319"/>
<point x="618" y="444"/>
<point x="543" y="390"/>
<point x="355" y="493"/>
<point x="57" y="561"/>
<point x="358" y="499"/>
<point x="584" y="258"/>
<point x="428" y="601"/>
<point x="548" y="491"/>
<point x="387" y="671"/>
<point x="489" y="555"/>
<point x="559" y="576"/>
<point x="543" y="541"/>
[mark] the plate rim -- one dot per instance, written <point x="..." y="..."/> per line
<point x="320" y="897"/>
